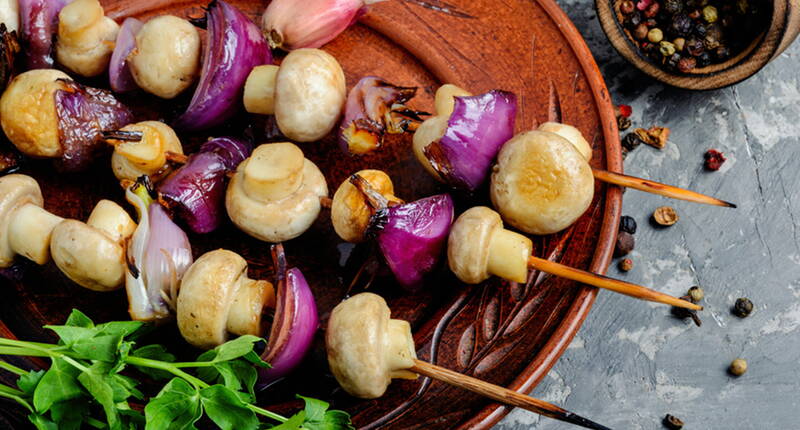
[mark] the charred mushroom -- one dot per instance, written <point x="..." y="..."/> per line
<point x="306" y="93"/>
<point x="217" y="298"/>
<point x="366" y="348"/>
<point x="140" y="149"/>
<point x="274" y="195"/>
<point x="25" y="228"/>
<point x="92" y="254"/>
<point x="542" y="183"/>
<point x="350" y="210"/>
<point x="85" y="37"/>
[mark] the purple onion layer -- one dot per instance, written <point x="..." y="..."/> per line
<point x="119" y="72"/>
<point x="477" y="129"/>
<point x="413" y="235"/>
<point x="235" y="45"/>
<point x="39" y="25"/>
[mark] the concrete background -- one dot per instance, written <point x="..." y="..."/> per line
<point x="633" y="362"/>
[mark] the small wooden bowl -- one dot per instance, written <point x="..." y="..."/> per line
<point x="784" y="27"/>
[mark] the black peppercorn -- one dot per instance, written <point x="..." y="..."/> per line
<point x="627" y="7"/>
<point x="672" y="62"/>
<point x="722" y="53"/>
<point x="742" y="308"/>
<point x="633" y="20"/>
<point x="704" y="59"/>
<point x="687" y="64"/>
<point x="650" y="22"/>
<point x="672" y="422"/>
<point x="694" y="14"/>
<point x="673" y="6"/>
<point x="700" y="30"/>
<point x="681" y="25"/>
<point x="631" y="141"/>
<point x="627" y="224"/>
<point x="694" y="47"/>
<point x="625" y="244"/>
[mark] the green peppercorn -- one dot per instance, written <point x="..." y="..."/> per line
<point x="672" y="422"/>
<point x="679" y="44"/>
<point x="738" y="367"/>
<point x="666" y="48"/>
<point x="710" y="13"/>
<point x="655" y="35"/>
<point x="743" y="307"/>
<point x="696" y="293"/>
<point x="640" y="32"/>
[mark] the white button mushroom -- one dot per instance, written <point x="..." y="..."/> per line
<point x="350" y="211"/>
<point x="92" y="253"/>
<point x="25" y="228"/>
<point x="433" y="128"/>
<point x="9" y="14"/>
<point x="85" y="37"/>
<point x="479" y="247"/>
<point x="308" y="96"/>
<point x="166" y="58"/>
<point x="217" y="298"/>
<point x="146" y="156"/>
<point x="541" y="183"/>
<point x="274" y="195"/>
<point x="366" y="348"/>
<point x="570" y="133"/>
<point x="28" y="112"/>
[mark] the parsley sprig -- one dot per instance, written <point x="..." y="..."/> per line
<point x="88" y="385"/>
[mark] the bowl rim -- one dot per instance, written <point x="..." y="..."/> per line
<point x="744" y="65"/>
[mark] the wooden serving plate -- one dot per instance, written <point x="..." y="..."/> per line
<point x="508" y="334"/>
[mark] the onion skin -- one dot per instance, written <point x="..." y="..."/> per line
<point x="368" y="114"/>
<point x="83" y="114"/>
<point x="196" y="191"/>
<point x="234" y="46"/>
<point x="294" y="325"/>
<point x="476" y="130"/>
<point x="38" y="24"/>
<point x="119" y="72"/>
<point x="316" y="23"/>
<point x="412" y="237"/>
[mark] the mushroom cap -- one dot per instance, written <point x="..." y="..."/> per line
<point x="207" y="293"/>
<point x="28" y="112"/>
<point x="88" y="256"/>
<point x="350" y="212"/>
<point x="541" y="183"/>
<point x="15" y="191"/>
<point x="276" y="220"/>
<point x="468" y="245"/>
<point x="365" y="347"/>
<point x="570" y="133"/>
<point x="309" y="94"/>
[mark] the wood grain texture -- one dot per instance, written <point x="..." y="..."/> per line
<point x="784" y="26"/>
<point x="505" y="333"/>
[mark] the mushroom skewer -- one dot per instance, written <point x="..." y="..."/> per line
<point x="479" y="247"/>
<point x="367" y="349"/>
<point x="654" y="187"/>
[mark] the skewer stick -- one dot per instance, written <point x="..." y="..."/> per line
<point x="600" y="281"/>
<point x="502" y="395"/>
<point x="653" y="187"/>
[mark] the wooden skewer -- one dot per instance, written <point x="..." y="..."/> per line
<point x="502" y="395"/>
<point x="615" y="285"/>
<point x="665" y="190"/>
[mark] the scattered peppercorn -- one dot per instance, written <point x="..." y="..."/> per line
<point x="687" y="64"/>
<point x="672" y="422"/>
<point x="623" y="123"/>
<point x="694" y="14"/>
<point x="626" y="264"/>
<point x="665" y="216"/>
<point x="631" y="141"/>
<point x="627" y="224"/>
<point x="704" y="59"/>
<point x="714" y="159"/>
<point x="684" y="313"/>
<point x="722" y="53"/>
<point x="655" y="35"/>
<point x="681" y="24"/>
<point x="696" y="294"/>
<point x="652" y="10"/>
<point x="679" y="43"/>
<point x="627" y="7"/>
<point x="672" y="6"/>
<point x="743" y="307"/>
<point x="709" y="13"/>
<point x="640" y="32"/>
<point x="694" y="46"/>
<point x="625" y="244"/>
<point x="738" y="367"/>
<point x="666" y="48"/>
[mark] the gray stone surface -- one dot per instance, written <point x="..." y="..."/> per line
<point x="633" y="362"/>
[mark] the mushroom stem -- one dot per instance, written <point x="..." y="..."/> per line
<point x="653" y="187"/>
<point x="502" y="395"/>
<point x="374" y="198"/>
<point x="29" y="232"/>
<point x="599" y="281"/>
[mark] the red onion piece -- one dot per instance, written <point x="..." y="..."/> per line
<point x="412" y="237"/>
<point x="368" y="114"/>
<point x="476" y="130"/>
<point x="197" y="190"/>
<point x="234" y="46"/>
<point x="83" y="114"/>
<point x="119" y="72"/>
<point x="38" y="25"/>
<point x="316" y="23"/>
<point x="294" y="324"/>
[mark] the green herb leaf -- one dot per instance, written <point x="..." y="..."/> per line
<point x="42" y="423"/>
<point x="295" y="422"/>
<point x="79" y="319"/>
<point x="176" y="407"/>
<point x="233" y="349"/>
<point x="154" y="352"/>
<point x="124" y="387"/>
<point x="318" y="417"/>
<point x="70" y="414"/>
<point x="28" y="382"/>
<point x="226" y="409"/>
<point x="96" y="383"/>
<point x="58" y="384"/>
